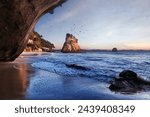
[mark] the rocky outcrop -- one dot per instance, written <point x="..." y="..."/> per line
<point x="71" y="44"/>
<point x="77" y="67"/>
<point x="129" y="82"/>
<point x="114" y="50"/>
<point x="17" y="21"/>
<point x="37" y="44"/>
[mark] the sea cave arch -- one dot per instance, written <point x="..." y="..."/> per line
<point x="18" y="18"/>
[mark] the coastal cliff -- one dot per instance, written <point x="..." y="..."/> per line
<point x="37" y="44"/>
<point x="17" y="22"/>
<point x="71" y="44"/>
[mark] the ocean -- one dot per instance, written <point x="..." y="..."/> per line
<point x="55" y="80"/>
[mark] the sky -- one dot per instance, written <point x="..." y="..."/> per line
<point x="99" y="24"/>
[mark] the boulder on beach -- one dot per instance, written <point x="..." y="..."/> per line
<point x="114" y="50"/>
<point x="129" y="82"/>
<point x="71" y="44"/>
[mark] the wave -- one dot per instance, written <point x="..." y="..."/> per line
<point x="101" y="66"/>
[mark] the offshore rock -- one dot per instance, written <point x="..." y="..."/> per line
<point x="114" y="50"/>
<point x="71" y="44"/>
<point x="77" y="67"/>
<point x="129" y="82"/>
<point x="17" y="22"/>
<point x="37" y="44"/>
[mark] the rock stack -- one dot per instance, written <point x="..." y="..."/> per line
<point x="71" y="44"/>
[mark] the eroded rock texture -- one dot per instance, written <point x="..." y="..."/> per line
<point x="71" y="44"/>
<point x="37" y="44"/>
<point x="129" y="82"/>
<point x="17" y="21"/>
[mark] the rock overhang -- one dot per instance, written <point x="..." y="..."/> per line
<point x="18" y="19"/>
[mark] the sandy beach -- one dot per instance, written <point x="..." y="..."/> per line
<point x="22" y="80"/>
<point x="19" y="80"/>
<point x="13" y="78"/>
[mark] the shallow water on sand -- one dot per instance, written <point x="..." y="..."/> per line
<point x="46" y="76"/>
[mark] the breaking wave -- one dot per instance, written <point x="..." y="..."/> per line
<point x="102" y="66"/>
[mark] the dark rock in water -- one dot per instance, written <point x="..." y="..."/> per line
<point x="37" y="44"/>
<point x="129" y="82"/>
<point x="128" y="74"/>
<point x="78" y="67"/>
<point x="71" y="44"/>
<point x="17" y="21"/>
<point x="114" y="50"/>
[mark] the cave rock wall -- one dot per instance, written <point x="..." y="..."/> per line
<point x="17" y="22"/>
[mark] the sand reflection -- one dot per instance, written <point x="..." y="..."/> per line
<point x="13" y="80"/>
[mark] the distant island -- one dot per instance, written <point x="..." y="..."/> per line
<point x="114" y="50"/>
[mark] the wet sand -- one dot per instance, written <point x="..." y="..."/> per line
<point x="15" y="76"/>
<point x="13" y="79"/>
<point x="50" y="86"/>
<point x="19" y="80"/>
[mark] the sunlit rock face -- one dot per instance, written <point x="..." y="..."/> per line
<point x="17" y="21"/>
<point x="37" y="44"/>
<point x="71" y="44"/>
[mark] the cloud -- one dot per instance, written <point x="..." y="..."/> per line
<point x="93" y="43"/>
<point x="73" y="9"/>
<point x="106" y="22"/>
<point x="61" y="15"/>
<point x="138" y="45"/>
<point x="109" y="34"/>
<point x="142" y="29"/>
